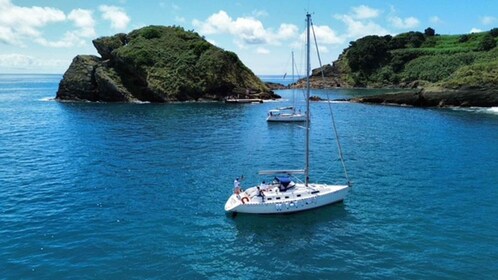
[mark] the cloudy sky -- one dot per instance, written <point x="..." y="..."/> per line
<point x="43" y="36"/>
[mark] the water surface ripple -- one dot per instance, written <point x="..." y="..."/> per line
<point x="115" y="191"/>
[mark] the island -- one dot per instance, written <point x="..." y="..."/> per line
<point x="432" y="70"/>
<point x="159" y="64"/>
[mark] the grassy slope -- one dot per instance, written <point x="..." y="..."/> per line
<point x="180" y="64"/>
<point x="444" y="61"/>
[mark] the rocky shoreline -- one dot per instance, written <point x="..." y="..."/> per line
<point x="468" y="97"/>
<point x="413" y="94"/>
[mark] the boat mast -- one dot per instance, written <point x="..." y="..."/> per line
<point x="307" y="165"/>
<point x="293" y="91"/>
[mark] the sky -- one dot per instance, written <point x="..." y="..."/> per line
<point x="43" y="36"/>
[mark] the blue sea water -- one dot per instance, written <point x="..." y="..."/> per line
<point x="114" y="191"/>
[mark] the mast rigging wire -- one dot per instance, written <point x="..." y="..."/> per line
<point x="339" y="147"/>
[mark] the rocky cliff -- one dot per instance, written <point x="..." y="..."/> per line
<point x="159" y="64"/>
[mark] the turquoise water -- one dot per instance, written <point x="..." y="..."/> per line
<point x="113" y="191"/>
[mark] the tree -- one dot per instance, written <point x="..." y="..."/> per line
<point x="494" y="32"/>
<point x="368" y="53"/>
<point x="409" y="39"/>
<point x="416" y="39"/>
<point x="487" y="42"/>
<point x="464" y="38"/>
<point x="429" y="32"/>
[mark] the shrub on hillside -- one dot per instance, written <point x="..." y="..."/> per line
<point x="429" y="32"/>
<point x="434" y="68"/>
<point x="151" y="33"/>
<point x="464" y="38"/>
<point x="487" y="43"/>
<point x="409" y="39"/>
<point x="494" y="32"/>
<point x="368" y="53"/>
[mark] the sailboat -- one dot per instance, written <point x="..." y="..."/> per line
<point x="287" y="114"/>
<point x="283" y="194"/>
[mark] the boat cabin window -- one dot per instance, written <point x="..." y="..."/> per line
<point x="298" y="195"/>
<point x="278" y="197"/>
<point x="286" y="197"/>
<point x="268" y="198"/>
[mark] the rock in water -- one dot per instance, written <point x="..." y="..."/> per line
<point x="159" y="64"/>
<point x="79" y="81"/>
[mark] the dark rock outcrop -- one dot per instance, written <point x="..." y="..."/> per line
<point x="78" y="82"/>
<point x="275" y="86"/>
<point x="159" y="64"/>
<point x="332" y="77"/>
<point x="316" y="98"/>
<point x="465" y="97"/>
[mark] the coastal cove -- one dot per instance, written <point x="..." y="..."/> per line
<point x="123" y="190"/>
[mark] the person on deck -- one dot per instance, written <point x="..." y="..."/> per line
<point x="261" y="194"/>
<point x="263" y="186"/>
<point x="236" y="186"/>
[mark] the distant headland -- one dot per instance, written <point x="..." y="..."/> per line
<point x="159" y="64"/>
<point x="442" y="70"/>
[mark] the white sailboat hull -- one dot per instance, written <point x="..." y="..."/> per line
<point x="299" y="198"/>
<point x="287" y="118"/>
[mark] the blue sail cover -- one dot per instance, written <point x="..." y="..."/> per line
<point x="285" y="181"/>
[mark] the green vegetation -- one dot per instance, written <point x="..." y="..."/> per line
<point x="446" y="60"/>
<point x="174" y="64"/>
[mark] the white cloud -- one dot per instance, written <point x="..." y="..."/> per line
<point x="180" y="19"/>
<point x="249" y="30"/>
<point x="324" y="35"/>
<point x="364" y="12"/>
<point x="246" y="30"/>
<point x="116" y="15"/>
<point x="360" y="22"/>
<point x="216" y="23"/>
<point x="175" y="7"/>
<point x="240" y="44"/>
<point x="409" y="22"/>
<point x="18" y="23"/>
<point x="16" y="62"/>
<point x="70" y="39"/>
<point x="323" y="49"/>
<point x="475" y="30"/>
<point x="212" y="42"/>
<point x="487" y="20"/>
<point x="7" y="36"/>
<point x="260" y="13"/>
<point x="261" y="50"/>
<point x="435" y="20"/>
<point x="83" y="19"/>
<point x="359" y="28"/>
<point x="287" y="31"/>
